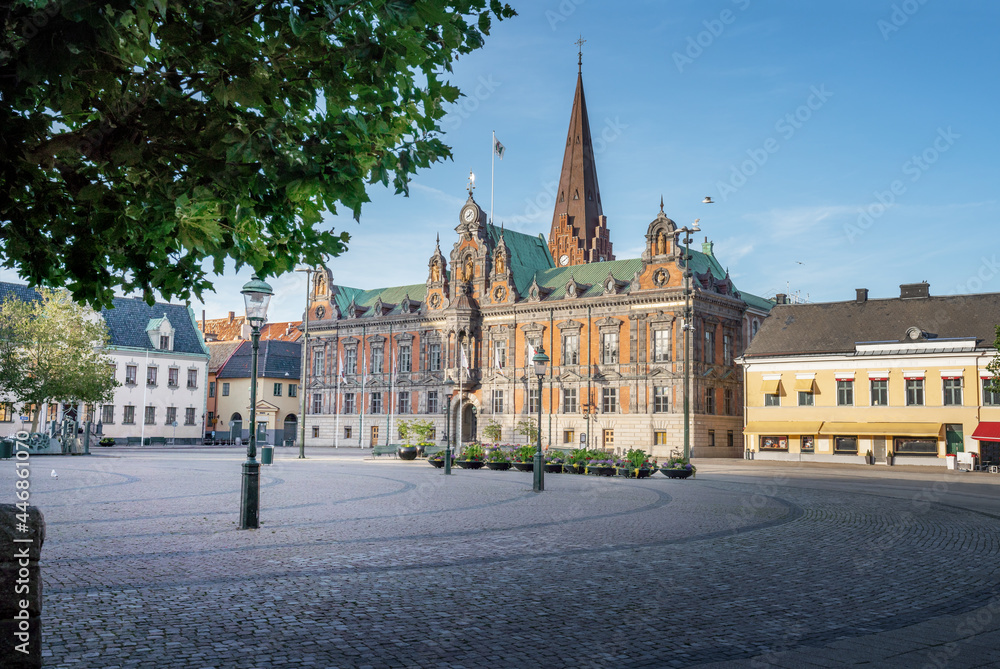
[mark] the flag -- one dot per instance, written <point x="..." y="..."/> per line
<point x="531" y="351"/>
<point x="340" y="368"/>
<point x="498" y="148"/>
<point x="496" y="358"/>
<point x="465" y="361"/>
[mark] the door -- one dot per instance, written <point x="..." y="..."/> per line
<point x="953" y="438"/>
<point x="609" y="440"/>
<point x="290" y="432"/>
<point x="374" y="435"/>
<point x="469" y="423"/>
<point x="878" y="449"/>
<point x="236" y="427"/>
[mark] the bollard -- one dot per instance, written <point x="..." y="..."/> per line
<point x="21" y="586"/>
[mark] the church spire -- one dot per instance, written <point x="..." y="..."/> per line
<point x="579" y="231"/>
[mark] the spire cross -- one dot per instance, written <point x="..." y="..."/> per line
<point x="472" y="183"/>
<point x="579" y="61"/>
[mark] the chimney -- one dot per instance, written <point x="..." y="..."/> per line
<point x="202" y="320"/>
<point x="862" y="295"/>
<point x="232" y="315"/>
<point x="781" y="298"/>
<point x="908" y="290"/>
<point x="708" y="248"/>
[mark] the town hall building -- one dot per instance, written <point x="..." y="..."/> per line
<point x="462" y="341"/>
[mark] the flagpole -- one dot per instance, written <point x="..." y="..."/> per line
<point x="458" y="423"/>
<point x="336" y="399"/>
<point x="493" y="160"/>
<point x="364" y="378"/>
<point x="392" y="372"/>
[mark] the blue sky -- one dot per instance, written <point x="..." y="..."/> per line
<point x="847" y="145"/>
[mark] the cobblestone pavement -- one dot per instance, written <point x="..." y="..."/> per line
<point x="362" y="563"/>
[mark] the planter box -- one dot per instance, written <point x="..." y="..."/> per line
<point x="498" y="466"/>
<point x="407" y="452"/>
<point x="524" y="466"/>
<point x="552" y="468"/>
<point x="677" y="473"/>
<point x="470" y="464"/>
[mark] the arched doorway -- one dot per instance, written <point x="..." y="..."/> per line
<point x="291" y="423"/>
<point x="236" y="426"/>
<point x="469" y="423"/>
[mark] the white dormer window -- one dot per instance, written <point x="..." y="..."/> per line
<point x="164" y="342"/>
<point x="161" y="333"/>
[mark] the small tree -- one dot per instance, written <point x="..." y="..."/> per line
<point x="994" y="366"/>
<point x="405" y="431"/>
<point x="493" y="431"/>
<point x="528" y="429"/>
<point x="422" y="429"/>
<point x="51" y="349"/>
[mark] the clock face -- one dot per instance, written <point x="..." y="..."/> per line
<point x="469" y="214"/>
<point x="564" y="260"/>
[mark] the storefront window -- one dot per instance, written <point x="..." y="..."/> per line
<point x="774" y="443"/>
<point x="808" y="443"/>
<point x="845" y="445"/>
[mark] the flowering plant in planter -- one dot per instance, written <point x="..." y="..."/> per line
<point x="497" y="454"/>
<point x="473" y="453"/>
<point x="524" y="453"/>
<point x="679" y="463"/>
<point x="554" y="458"/>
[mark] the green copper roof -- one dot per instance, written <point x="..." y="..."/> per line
<point x="757" y="302"/>
<point x="391" y="297"/>
<point x="528" y="254"/>
<point x="592" y="275"/>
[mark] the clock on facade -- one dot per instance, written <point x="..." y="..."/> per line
<point x="469" y="214"/>
<point x="564" y="260"/>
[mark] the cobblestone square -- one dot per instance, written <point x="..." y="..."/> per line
<point x="383" y="563"/>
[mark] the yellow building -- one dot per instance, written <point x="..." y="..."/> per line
<point x="904" y="376"/>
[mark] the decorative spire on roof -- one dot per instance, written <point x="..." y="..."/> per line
<point x="579" y="59"/>
<point x="661" y="204"/>
<point x="471" y="186"/>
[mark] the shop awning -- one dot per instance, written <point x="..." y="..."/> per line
<point x="804" y="385"/>
<point x="771" y="386"/>
<point x="782" y="427"/>
<point x="987" y="431"/>
<point x="883" y="429"/>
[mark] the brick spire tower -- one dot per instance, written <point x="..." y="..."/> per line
<point x="579" y="227"/>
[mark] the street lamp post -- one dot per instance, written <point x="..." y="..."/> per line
<point x="687" y="327"/>
<point x="305" y="364"/>
<point x="256" y="294"/>
<point x="540" y="360"/>
<point x="449" y="391"/>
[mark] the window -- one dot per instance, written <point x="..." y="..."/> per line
<point x="845" y="392"/>
<point x="211" y="419"/>
<point x="225" y="389"/>
<point x="173" y="376"/>
<point x="774" y="443"/>
<point x="434" y="357"/>
<point x="129" y="415"/>
<point x="211" y="388"/>
<point x="661" y="399"/>
<point x="189" y="416"/>
<point x="403" y="402"/>
<point x="569" y="436"/>
<point x="880" y="392"/>
<point x="53" y="412"/>
<point x="914" y="392"/>
<point x="405" y="362"/>
<point x="708" y="355"/>
<point x="318" y="356"/>
<point x="808" y="443"/>
<point x="497" y="401"/>
<point x="730" y="438"/>
<point x="6" y="412"/>
<point x="845" y="445"/>
<point x="432" y="401"/>
<point x="130" y="374"/>
<point x="533" y="396"/>
<point x="192" y="378"/>
<point x="710" y="400"/>
<point x="293" y="390"/>
<point x="351" y="361"/>
<point x="164" y="342"/>
<point x="569" y="400"/>
<point x="609" y="348"/>
<point x="772" y="400"/>
<point x="150" y="415"/>
<point x="990" y="398"/>
<point x="347" y="432"/>
<point x="571" y="349"/>
<point x="727" y="401"/>
<point x="530" y="348"/>
<point x="376" y="403"/>
<point x="910" y="446"/>
<point x="378" y="360"/>
<point x="711" y="437"/>
<point x="661" y="345"/>
<point x="317" y="403"/>
<point x="500" y="354"/>
<point x="151" y="376"/>
<point x="609" y="400"/>
<point x="171" y="415"/>
<point x="108" y="414"/>
<point x="727" y="349"/>
<point x="660" y="438"/>
<point x="277" y="390"/>
<point x="952" y="392"/>
<point x="806" y="398"/>
<point x="348" y="402"/>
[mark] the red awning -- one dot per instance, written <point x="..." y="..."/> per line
<point x="987" y="431"/>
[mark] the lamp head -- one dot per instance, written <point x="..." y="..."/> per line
<point x="257" y="295"/>
<point x="540" y="360"/>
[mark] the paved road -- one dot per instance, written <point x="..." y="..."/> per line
<point x="389" y="564"/>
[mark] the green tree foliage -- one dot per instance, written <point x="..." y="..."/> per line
<point x="145" y="142"/>
<point x="994" y="366"/>
<point x="493" y="431"/>
<point x="528" y="429"/>
<point x="422" y="429"/>
<point x="51" y="350"/>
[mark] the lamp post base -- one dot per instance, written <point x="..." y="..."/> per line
<point x="250" y="499"/>
<point x="447" y="460"/>
<point x="539" y="474"/>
